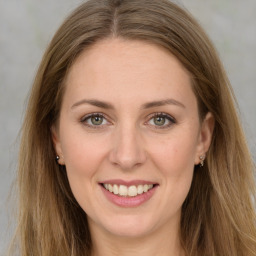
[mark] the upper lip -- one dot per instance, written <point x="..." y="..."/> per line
<point x="127" y="183"/>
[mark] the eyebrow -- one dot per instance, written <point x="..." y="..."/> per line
<point x="97" y="103"/>
<point x="162" y="103"/>
<point x="106" y="105"/>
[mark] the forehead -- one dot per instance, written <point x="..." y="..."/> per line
<point x="118" y="52"/>
<point x="118" y="69"/>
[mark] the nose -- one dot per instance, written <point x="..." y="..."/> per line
<point x="128" y="149"/>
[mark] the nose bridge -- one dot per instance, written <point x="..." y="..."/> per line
<point x="128" y="150"/>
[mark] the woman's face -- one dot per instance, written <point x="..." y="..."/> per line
<point x="129" y="135"/>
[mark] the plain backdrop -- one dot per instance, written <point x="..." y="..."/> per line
<point x="26" y="27"/>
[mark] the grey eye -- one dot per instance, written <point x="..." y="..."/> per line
<point x="159" y="120"/>
<point x="96" y="120"/>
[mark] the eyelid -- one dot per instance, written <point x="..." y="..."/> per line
<point x="170" y="118"/>
<point x="90" y="115"/>
<point x="162" y="114"/>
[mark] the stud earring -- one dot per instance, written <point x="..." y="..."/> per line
<point x="202" y="158"/>
<point x="57" y="158"/>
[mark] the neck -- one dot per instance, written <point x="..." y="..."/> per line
<point x="153" y="244"/>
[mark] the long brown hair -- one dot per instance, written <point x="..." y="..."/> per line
<point x="218" y="216"/>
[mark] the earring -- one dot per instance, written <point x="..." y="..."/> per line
<point x="57" y="159"/>
<point x="202" y="158"/>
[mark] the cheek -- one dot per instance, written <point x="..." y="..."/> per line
<point x="82" y="154"/>
<point x="175" y="161"/>
<point x="174" y="158"/>
<point x="174" y="155"/>
<point x="83" y="158"/>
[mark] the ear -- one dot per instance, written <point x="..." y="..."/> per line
<point x="57" y="144"/>
<point x="205" y="137"/>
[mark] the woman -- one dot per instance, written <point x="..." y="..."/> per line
<point x="131" y="144"/>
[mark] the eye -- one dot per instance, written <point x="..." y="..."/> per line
<point x="161" y="120"/>
<point x="94" y="120"/>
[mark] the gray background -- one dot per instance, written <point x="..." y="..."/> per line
<point x="26" y="27"/>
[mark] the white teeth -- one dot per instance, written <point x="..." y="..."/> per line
<point x="145" y="188"/>
<point x="140" y="189"/>
<point x="130" y="191"/>
<point x="115" y="189"/>
<point x="123" y="191"/>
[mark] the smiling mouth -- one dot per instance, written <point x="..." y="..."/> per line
<point x="128" y="191"/>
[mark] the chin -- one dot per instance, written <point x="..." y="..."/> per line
<point x="127" y="226"/>
<point x="129" y="231"/>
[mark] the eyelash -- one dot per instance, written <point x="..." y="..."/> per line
<point x="89" y="116"/>
<point x="170" y="119"/>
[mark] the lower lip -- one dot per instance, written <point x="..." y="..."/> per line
<point x="129" y="201"/>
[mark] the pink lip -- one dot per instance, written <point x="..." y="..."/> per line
<point x="128" y="201"/>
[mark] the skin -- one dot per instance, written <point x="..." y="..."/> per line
<point x="130" y="144"/>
